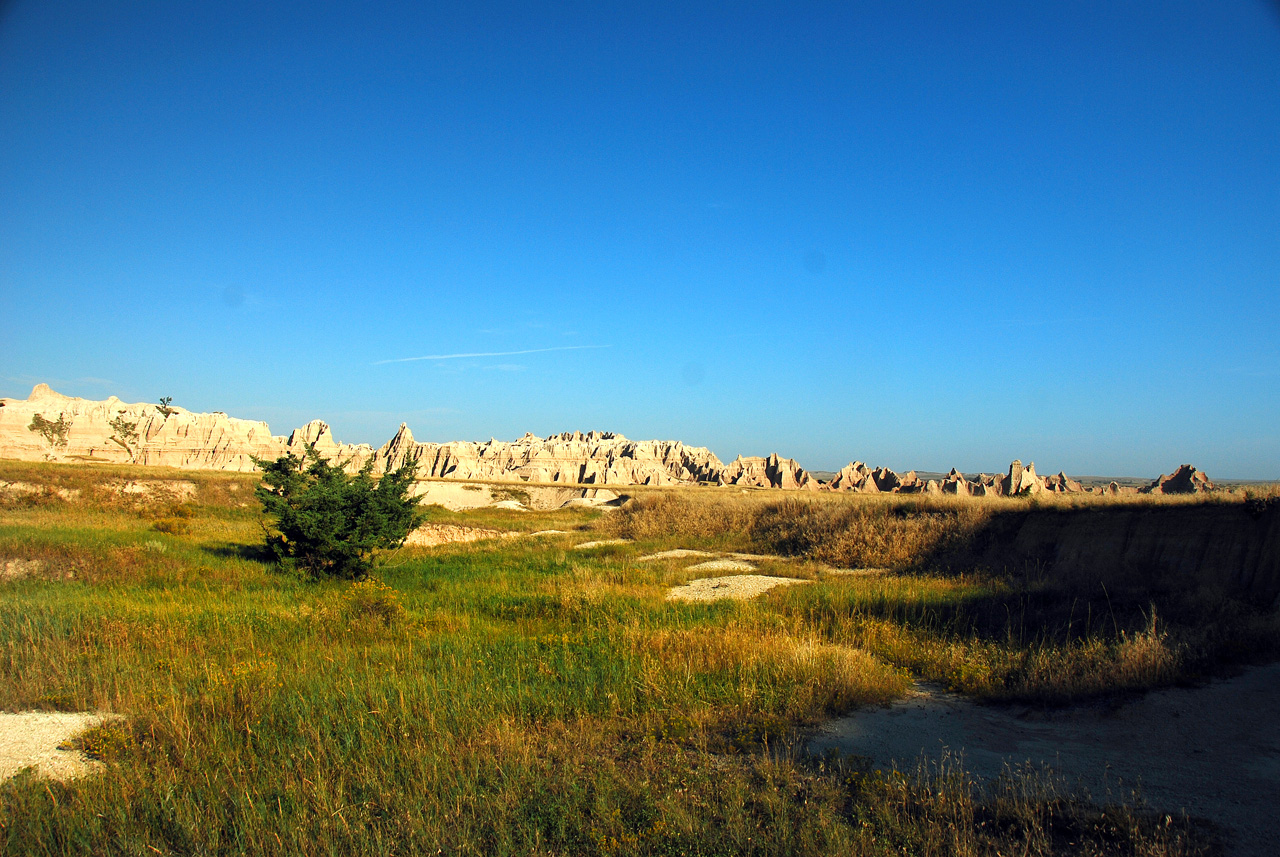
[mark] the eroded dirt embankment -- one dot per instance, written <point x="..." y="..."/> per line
<point x="1235" y="546"/>
<point x="1212" y="751"/>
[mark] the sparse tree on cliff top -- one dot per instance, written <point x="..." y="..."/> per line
<point x="328" y="522"/>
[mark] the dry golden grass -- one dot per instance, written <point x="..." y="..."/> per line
<point x="520" y="697"/>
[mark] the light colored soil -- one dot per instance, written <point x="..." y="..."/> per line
<point x="431" y="535"/>
<point x="32" y="739"/>
<point x="454" y="496"/>
<point x="738" y="586"/>
<point x="678" y="553"/>
<point x="173" y="490"/>
<point x="20" y="488"/>
<point x="1213" y="750"/>
<point x="17" y="569"/>
<point x="21" y="569"/>
<point x="601" y="543"/>
<point x="723" y="565"/>
<point x="550" y="533"/>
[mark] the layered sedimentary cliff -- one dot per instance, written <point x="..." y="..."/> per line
<point x="111" y="430"/>
<point x="594" y="458"/>
<point x="48" y="425"/>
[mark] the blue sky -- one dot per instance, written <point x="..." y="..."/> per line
<point x="920" y="235"/>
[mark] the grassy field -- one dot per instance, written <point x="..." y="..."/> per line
<point x="522" y="697"/>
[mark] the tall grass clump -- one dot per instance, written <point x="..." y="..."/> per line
<point x="878" y="532"/>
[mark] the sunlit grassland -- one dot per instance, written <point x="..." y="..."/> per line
<point x="505" y="697"/>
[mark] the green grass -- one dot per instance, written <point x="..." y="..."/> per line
<point x="514" y="697"/>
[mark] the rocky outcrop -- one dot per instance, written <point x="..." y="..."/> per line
<point x="594" y="458"/>
<point x="771" y="472"/>
<point x="855" y="477"/>
<point x="1062" y="484"/>
<point x="50" y="426"/>
<point x="1185" y="480"/>
<point x="1021" y="480"/>
<point x="955" y="483"/>
<point x="112" y="431"/>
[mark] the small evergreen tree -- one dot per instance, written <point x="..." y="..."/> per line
<point x="328" y="522"/>
<point x="125" y="434"/>
<point x="54" y="433"/>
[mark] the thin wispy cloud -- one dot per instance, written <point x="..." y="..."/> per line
<point x="488" y="354"/>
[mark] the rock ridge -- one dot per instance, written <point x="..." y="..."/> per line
<point x="50" y="426"/>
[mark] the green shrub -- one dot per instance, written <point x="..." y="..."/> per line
<point x="172" y="526"/>
<point x="328" y="522"/>
<point x="373" y="599"/>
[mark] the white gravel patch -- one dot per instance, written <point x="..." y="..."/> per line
<point x="738" y="586"/>
<point x="723" y="565"/>
<point x="32" y="739"/>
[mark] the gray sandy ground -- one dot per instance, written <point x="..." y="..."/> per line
<point x="723" y="565"/>
<point x="1213" y="751"/>
<point x="33" y="739"/>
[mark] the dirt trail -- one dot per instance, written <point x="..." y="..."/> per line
<point x="1213" y="750"/>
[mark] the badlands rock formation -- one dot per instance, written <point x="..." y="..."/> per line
<point x="1019" y="481"/>
<point x="218" y="442"/>
<point x="180" y="439"/>
<point x="50" y="426"/>
<point x="1185" y="480"/>
<point x="771" y="472"/>
<point x="595" y="458"/>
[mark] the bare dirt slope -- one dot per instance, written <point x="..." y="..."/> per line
<point x="1213" y="750"/>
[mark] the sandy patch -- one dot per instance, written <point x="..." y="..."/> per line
<point x="1213" y="750"/>
<point x="454" y="496"/>
<point x="21" y="488"/>
<point x="723" y="565"/>
<point x="550" y="533"/>
<point x="33" y="739"/>
<point x="601" y="543"/>
<point x="21" y="569"/>
<point x="678" y="553"/>
<point x="739" y="586"/>
<point x="431" y="535"/>
<point x="17" y="569"/>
